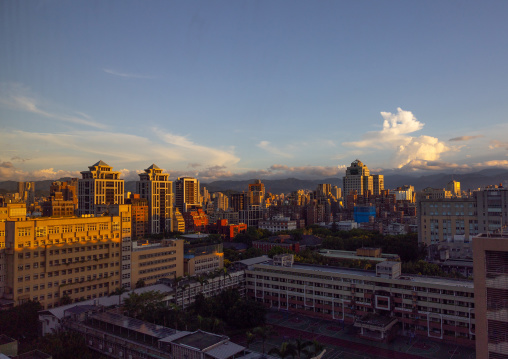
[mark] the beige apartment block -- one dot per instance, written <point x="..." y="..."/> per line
<point x="99" y="185"/>
<point x="152" y="261"/>
<point x="158" y="190"/>
<point x="442" y="219"/>
<point x="79" y="257"/>
<point x="490" y="260"/>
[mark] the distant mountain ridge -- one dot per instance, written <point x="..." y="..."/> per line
<point x="474" y="180"/>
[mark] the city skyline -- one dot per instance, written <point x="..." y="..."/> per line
<point x="251" y="90"/>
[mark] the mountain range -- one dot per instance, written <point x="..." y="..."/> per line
<point x="473" y="180"/>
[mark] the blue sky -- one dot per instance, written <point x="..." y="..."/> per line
<point x="244" y="89"/>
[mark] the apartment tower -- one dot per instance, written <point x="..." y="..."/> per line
<point x="99" y="185"/>
<point x="158" y="190"/>
<point x="187" y="194"/>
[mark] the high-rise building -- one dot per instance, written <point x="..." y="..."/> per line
<point x="256" y="193"/>
<point x="454" y="187"/>
<point x="99" y="185"/>
<point x="68" y="189"/>
<point x="187" y="194"/>
<point x="26" y="191"/>
<point x="492" y="207"/>
<point x="490" y="261"/>
<point x="359" y="181"/>
<point x="378" y="184"/>
<point x="158" y="190"/>
<point x="139" y="221"/>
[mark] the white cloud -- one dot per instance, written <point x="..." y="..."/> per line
<point x="18" y="97"/>
<point x="265" y="145"/>
<point x="192" y="151"/>
<point x="396" y="135"/>
<point x="424" y="148"/>
<point x="127" y="75"/>
<point x="395" y="128"/>
<point x="498" y="144"/>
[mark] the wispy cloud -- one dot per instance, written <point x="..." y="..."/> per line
<point x="18" y="97"/>
<point x="265" y="145"/>
<point x="127" y="75"/>
<point x="498" y="144"/>
<point x="465" y="138"/>
<point x="189" y="149"/>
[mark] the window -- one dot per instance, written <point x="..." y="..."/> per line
<point x="40" y="231"/>
<point x="24" y="231"/>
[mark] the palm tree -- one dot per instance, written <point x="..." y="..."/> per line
<point x="119" y="291"/>
<point x="300" y="346"/>
<point x="316" y="349"/>
<point x="250" y="338"/>
<point x="286" y="349"/>
<point x="263" y="333"/>
<point x="203" y="280"/>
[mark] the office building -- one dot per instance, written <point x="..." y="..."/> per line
<point x="443" y="219"/>
<point x="490" y="260"/>
<point x="492" y="208"/>
<point x="154" y="260"/>
<point x="187" y="194"/>
<point x="99" y="185"/>
<point x="158" y="190"/>
<point x="359" y="181"/>
<point x="256" y="193"/>
<point x="79" y="258"/>
<point x="140" y="220"/>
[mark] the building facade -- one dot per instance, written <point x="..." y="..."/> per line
<point x="158" y="190"/>
<point x="440" y="309"/>
<point x="99" y="185"/>
<point x="79" y="258"/>
<point x="187" y="194"/>
<point x="490" y="259"/>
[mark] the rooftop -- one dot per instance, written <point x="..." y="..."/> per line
<point x="372" y="274"/>
<point x="4" y="339"/>
<point x="200" y="340"/>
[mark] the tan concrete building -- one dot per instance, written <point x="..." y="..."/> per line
<point x="152" y="261"/>
<point x="99" y="185"/>
<point x="490" y="260"/>
<point x="82" y="258"/>
<point x="187" y="194"/>
<point x="442" y="219"/>
<point x="437" y="308"/>
<point x="158" y="190"/>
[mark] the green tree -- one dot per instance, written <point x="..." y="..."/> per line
<point x="119" y="291"/>
<point x="140" y="283"/>
<point x="263" y="333"/>
<point x="300" y="346"/>
<point x="286" y="349"/>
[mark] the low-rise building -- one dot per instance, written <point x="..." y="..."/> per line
<point x="437" y="308"/>
<point x="158" y="259"/>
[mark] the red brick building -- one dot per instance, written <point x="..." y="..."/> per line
<point x="195" y="221"/>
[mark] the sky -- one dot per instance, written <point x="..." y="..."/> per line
<point x="252" y="89"/>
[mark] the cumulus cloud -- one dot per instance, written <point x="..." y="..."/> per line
<point x="265" y="145"/>
<point x="493" y="163"/>
<point x="465" y="138"/>
<point x="424" y="148"/>
<point x="422" y="165"/>
<point x="9" y="172"/>
<point x="395" y="129"/>
<point x="395" y="134"/>
<point x="18" y="97"/>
